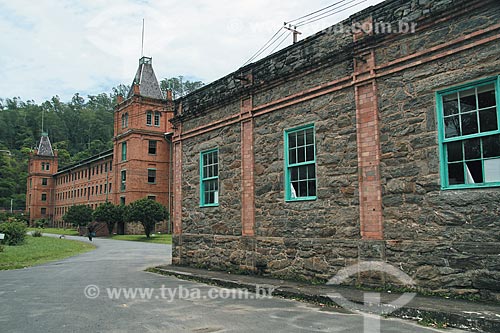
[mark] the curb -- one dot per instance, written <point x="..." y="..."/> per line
<point x="486" y="321"/>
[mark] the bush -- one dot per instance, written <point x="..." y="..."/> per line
<point x="36" y="233"/>
<point x="14" y="230"/>
<point x="1" y="248"/>
<point x="41" y="223"/>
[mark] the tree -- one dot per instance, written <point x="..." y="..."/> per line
<point x="179" y="86"/>
<point x="79" y="215"/>
<point x="109" y="214"/>
<point x="146" y="211"/>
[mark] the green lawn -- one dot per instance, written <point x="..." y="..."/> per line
<point x="155" y="238"/>
<point x="58" y="231"/>
<point x="39" y="250"/>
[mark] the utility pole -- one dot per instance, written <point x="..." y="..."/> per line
<point x="294" y="31"/>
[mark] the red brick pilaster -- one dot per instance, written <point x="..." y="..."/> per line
<point x="247" y="170"/>
<point x="177" y="206"/>
<point x="368" y="141"/>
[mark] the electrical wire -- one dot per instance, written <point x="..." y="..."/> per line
<point x="315" y="12"/>
<point x="264" y="47"/>
<point x="330" y="14"/>
<point x="282" y="40"/>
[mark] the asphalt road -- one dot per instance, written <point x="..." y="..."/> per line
<point x="51" y="298"/>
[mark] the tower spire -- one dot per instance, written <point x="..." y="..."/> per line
<point x="142" y="40"/>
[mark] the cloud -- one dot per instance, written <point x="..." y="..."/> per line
<point x="62" y="47"/>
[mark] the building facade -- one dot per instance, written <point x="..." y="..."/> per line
<point x="354" y="144"/>
<point x="138" y="166"/>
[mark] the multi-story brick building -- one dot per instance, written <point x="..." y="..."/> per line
<point x="353" y="144"/>
<point x="138" y="166"/>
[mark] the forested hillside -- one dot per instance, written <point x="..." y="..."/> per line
<point x="77" y="129"/>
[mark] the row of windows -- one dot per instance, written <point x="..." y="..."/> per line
<point x="84" y="192"/>
<point x="152" y="118"/>
<point x="300" y="168"/>
<point x="86" y="173"/>
<point x="152" y="147"/>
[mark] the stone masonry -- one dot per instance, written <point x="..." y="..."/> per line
<point x="371" y="98"/>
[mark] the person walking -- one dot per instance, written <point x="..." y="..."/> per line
<point x="91" y="230"/>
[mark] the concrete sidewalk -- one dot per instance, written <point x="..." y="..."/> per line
<point x="474" y="316"/>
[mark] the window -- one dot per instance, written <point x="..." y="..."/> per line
<point x="44" y="196"/>
<point x="469" y="135"/>
<point x="122" y="201"/>
<point x="100" y="189"/>
<point x="43" y="211"/>
<point x="124" y="151"/>
<point x="105" y="167"/>
<point x="157" y="118"/>
<point x="31" y="182"/>
<point x="123" y="179"/>
<point x="152" y="197"/>
<point x="300" y="164"/>
<point x="209" y="178"/>
<point x="47" y="166"/>
<point x="152" y="147"/>
<point x="149" y="118"/>
<point x="44" y="181"/>
<point x="110" y="166"/>
<point x="102" y="167"/>
<point x="125" y="120"/>
<point x="151" y="176"/>
<point x="109" y="190"/>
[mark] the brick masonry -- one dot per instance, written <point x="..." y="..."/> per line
<point x="371" y="98"/>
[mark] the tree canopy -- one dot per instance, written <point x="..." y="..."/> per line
<point x="146" y="211"/>
<point x="79" y="215"/>
<point x="109" y="214"/>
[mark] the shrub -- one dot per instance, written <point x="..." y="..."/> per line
<point x="36" y="233"/>
<point x="41" y="223"/>
<point x="1" y="248"/>
<point x="14" y="230"/>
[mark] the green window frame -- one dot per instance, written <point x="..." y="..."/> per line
<point x="300" y="163"/>
<point x="209" y="178"/>
<point x="124" y="152"/>
<point x="469" y="134"/>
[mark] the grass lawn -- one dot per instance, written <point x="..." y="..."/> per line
<point x="38" y="250"/>
<point x="58" y="231"/>
<point x="155" y="238"/>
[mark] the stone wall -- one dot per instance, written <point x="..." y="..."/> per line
<point x="448" y="241"/>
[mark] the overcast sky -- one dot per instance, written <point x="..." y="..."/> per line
<point x="60" y="47"/>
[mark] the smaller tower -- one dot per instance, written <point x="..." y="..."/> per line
<point x="43" y="163"/>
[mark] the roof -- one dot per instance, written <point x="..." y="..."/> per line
<point x="45" y="148"/>
<point x="145" y="78"/>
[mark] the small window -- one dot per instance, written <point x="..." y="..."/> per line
<point x="152" y="147"/>
<point x="122" y="201"/>
<point x="100" y="189"/>
<point x="152" y="197"/>
<point x="151" y="176"/>
<point x="109" y="190"/>
<point x="149" y="118"/>
<point x="47" y="166"/>
<point x="44" y="196"/>
<point x="300" y="164"/>
<point x="469" y="135"/>
<point x="157" y="118"/>
<point x="102" y="167"/>
<point x="209" y="178"/>
<point x="124" y="151"/>
<point x="44" y="181"/>
<point x="43" y="211"/>
<point x="110" y="166"/>
<point x="105" y="167"/>
<point x="123" y="180"/>
<point x="125" y="120"/>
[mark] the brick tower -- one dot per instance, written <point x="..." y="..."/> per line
<point x="43" y="163"/>
<point x="142" y="151"/>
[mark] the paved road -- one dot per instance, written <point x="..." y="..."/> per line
<point x="50" y="298"/>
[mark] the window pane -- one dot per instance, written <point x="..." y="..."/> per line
<point x="301" y="155"/>
<point x="472" y="149"/>
<point x="474" y="171"/>
<point x="468" y="100"/>
<point x="311" y="171"/>
<point x="302" y="189"/>
<point x="455" y="173"/>
<point x="292" y="156"/>
<point x="492" y="170"/>
<point x="309" y="136"/>
<point x="311" y="188"/>
<point x="488" y="120"/>
<point x="292" y="137"/>
<point x="486" y="96"/>
<point x="303" y="172"/>
<point x="300" y="138"/>
<point x="452" y="127"/>
<point x="310" y="153"/>
<point x="469" y="123"/>
<point x="454" y="151"/>
<point x="294" y="174"/>
<point x="491" y="146"/>
<point x="450" y="104"/>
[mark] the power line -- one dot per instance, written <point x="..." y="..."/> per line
<point x="263" y="48"/>
<point x="315" y="12"/>
<point x="282" y="40"/>
<point x="312" y="20"/>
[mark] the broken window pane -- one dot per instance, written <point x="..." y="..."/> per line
<point x="474" y="172"/>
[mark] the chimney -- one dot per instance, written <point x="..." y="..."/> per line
<point x="119" y="99"/>
<point x="136" y="89"/>
<point x="169" y="95"/>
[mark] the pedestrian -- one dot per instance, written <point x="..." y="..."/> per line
<point x="91" y="231"/>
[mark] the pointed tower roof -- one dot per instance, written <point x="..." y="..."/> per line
<point x="145" y="80"/>
<point x="45" y="148"/>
